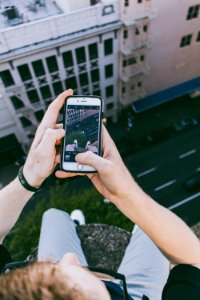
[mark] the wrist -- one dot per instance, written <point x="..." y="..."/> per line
<point x="33" y="179"/>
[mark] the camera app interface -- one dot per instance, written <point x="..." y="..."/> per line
<point x="81" y="130"/>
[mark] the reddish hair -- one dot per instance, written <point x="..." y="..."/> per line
<point x="40" y="281"/>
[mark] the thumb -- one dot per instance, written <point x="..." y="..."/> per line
<point x="93" y="160"/>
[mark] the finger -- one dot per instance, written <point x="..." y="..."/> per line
<point x="50" y="116"/>
<point x="58" y="143"/>
<point x="107" y="140"/>
<point x="52" y="112"/>
<point x="58" y="126"/>
<point x="108" y="145"/>
<point x="50" y="138"/>
<point x="57" y="159"/>
<point x="93" y="160"/>
<point x="62" y="174"/>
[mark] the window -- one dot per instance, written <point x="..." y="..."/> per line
<point x="123" y="90"/>
<point x="131" y="61"/>
<point x="139" y="1"/>
<point x="95" y="75"/>
<point x="57" y="87"/>
<point x="124" y="63"/>
<point x="52" y="64"/>
<point x="186" y="40"/>
<point x="137" y="32"/>
<point x="126" y="3"/>
<point x="83" y="79"/>
<point x="125" y="34"/>
<point x="25" y="122"/>
<point x="33" y="96"/>
<point x="39" y="115"/>
<point x="108" y="70"/>
<point x="110" y="106"/>
<point x="145" y="28"/>
<point x="109" y="91"/>
<point x="142" y="57"/>
<point x="93" y="51"/>
<point x="70" y="83"/>
<point x="93" y="2"/>
<point x="108" y="46"/>
<point x="97" y="93"/>
<point x="45" y="91"/>
<point x="193" y="12"/>
<point x="198" y="37"/>
<point x="16" y="102"/>
<point x="24" y="72"/>
<point x="80" y="55"/>
<point x="38" y="68"/>
<point x="68" y="59"/>
<point x="7" y="78"/>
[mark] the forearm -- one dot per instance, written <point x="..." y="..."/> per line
<point x="12" y="200"/>
<point x="166" y="230"/>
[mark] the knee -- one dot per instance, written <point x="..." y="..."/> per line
<point x="52" y="213"/>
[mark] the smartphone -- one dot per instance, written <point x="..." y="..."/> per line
<point x="82" y="124"/>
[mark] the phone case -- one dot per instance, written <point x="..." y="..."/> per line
<point x="100" y="131"/>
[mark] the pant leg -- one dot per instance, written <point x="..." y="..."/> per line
<point x="58" y="236"/>
<point x="145" y="267"/>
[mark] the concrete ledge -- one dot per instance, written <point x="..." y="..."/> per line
<point x="103" y="245"/>
<point x="196" y="229"/>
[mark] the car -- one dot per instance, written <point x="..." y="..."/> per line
<point x="195" y="93"/>
<point x="156" y="136"/>
<point x="184" y="124"/>
<point x="193" y="181"/>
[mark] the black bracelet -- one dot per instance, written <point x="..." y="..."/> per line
<point x="24" y="183"/>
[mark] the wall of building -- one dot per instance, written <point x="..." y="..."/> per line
<point x="171" y="64"/>
<point x="87" y="75"/>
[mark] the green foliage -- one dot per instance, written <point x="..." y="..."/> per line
<point x="26" y="233"/>
<point x="79" y="136"/>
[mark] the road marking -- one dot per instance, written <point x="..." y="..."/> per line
<point x="184" y="201"/>
<point x="146" y="172"/>
<point x="158" y="188"/>
<point x="187" y="153"/>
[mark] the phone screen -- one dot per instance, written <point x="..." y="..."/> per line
<point x="82" y="130"/>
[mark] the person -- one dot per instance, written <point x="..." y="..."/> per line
<point x="162" y="259"/>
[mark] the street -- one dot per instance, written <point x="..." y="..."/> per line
<point x="162" y="169"/>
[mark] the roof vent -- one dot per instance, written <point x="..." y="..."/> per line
<point x="12" y="14"/>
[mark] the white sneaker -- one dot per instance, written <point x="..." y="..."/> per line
<point x="78" y="217"/>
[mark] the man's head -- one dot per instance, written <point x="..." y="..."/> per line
<point x="47" y="281"/>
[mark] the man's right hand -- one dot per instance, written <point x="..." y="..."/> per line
<point x="112" y="179"/>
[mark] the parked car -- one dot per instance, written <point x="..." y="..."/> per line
<point x="156" y="136"/>
<point x="193" y="181"/>
<point x="185" y="124"/>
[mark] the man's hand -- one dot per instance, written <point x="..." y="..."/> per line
<point x="42" y="157"/>
<point x="112" y="179"/>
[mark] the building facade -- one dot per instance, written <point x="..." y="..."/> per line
<point x="130" y="52"/>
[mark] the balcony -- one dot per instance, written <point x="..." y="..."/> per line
<point x="133" y="16"/>
<point x="129" y="49"/>
<point x="126" y="74"/>
<point x="128" y="99"/>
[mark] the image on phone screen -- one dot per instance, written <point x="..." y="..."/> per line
<point x="82" y="129"/>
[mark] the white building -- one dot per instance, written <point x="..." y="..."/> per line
<point x="127" y="51"/>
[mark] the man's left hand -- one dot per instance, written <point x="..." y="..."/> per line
<point x="42" y="157"/>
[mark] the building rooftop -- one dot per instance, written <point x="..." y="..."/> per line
<point x="13" y="12"/>
<point x="71" y="19"/>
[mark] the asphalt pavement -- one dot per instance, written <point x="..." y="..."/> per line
<point x="161" y="167"/>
